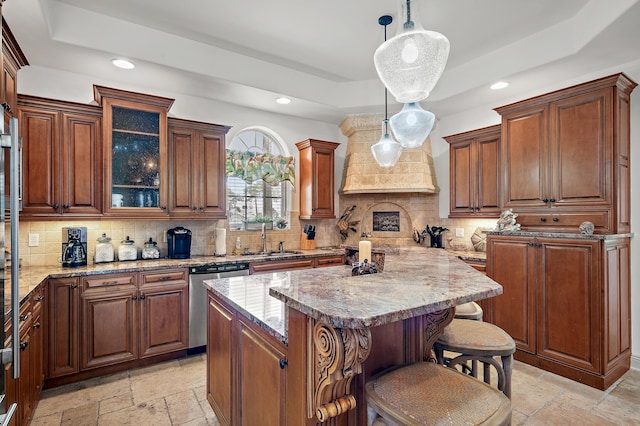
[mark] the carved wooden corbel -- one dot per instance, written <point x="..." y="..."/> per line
<point x="336" y="358"/>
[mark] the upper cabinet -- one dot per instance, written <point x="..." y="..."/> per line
<point x="565" y="157"/>
<point x="135" y="153"/>
<point x="12" y="60"/>
<point x="62" y="158"/>
<point x="474" y="168"/>
<point x="317" y="179"/>
<point x="196" y="169"/>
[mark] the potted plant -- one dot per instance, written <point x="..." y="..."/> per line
<point x="255" y="224"/>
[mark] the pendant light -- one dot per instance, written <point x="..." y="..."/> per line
<point x="412" y="125"/>
<point x="387" y="150"/>
<point x="411" y="63"/>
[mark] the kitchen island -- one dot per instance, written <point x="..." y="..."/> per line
<point x="297" y="347"/>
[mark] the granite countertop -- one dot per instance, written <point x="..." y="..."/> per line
<point x="32" y="276"/>
<point x="470" y="255"/>
<point x="415" y="281"/>
<point x="561" y="235"/>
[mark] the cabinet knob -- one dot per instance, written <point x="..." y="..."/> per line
<point x="471" y="208"/>
<point x="555" y="219"/>
<point x="545" y="200"/>
<point x="538" y="245"/>
<point x="65" y="206"/>
<point x="142" y="297"/>
<point x="163" y="207"/>
<point x="74" y="285"/>
<point x="39" y="298"/>
<point x="530" y="244"/>
<point x="283" y="363"/>
<point x="36" y="325"/>
<point x="201" y="209"/>
<point x="6" y="107"/>
<point x="24" y="317"/>
<point x="194" y="208"/>
<point x="56" y="206"/>
<point x="23" y="345"/>
<point x="134" y="297"/>
<point x="553" y="200"/>
<point x="543" y="219"/>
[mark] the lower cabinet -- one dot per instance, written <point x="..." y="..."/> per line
<point x="107" y="319"/>
<point x="291" y="264"/>
<point x="246" y="369"/>
<point x="566" y="303"/>
<point x="26" y="388"/>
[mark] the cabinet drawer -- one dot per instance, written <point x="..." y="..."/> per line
<point x="564" y="221"/>
<point x="110" y="282"/>
<point x="285" y="265"/>
<point x="329" y="261"/>
<point x="163" y="276"/>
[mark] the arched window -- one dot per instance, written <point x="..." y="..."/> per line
<point x="259" y="179"/>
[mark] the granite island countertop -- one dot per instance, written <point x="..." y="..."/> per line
<point x="32" y="276"/>
<point x="415" y="281"/>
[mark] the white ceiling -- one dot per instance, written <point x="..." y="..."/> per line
<point x="320" y="54"/>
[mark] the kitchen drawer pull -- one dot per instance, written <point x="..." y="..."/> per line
<point x="283" y="363"/>
<point x="110" y="282"/>
<point x="165" y="278"/>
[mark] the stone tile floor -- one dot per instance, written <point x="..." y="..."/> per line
<point x="173" y="393"/>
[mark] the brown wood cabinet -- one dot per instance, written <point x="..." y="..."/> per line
<point x="197" y="170"/>
<point x="474" y="173"/>
<point x="12" y="60"/>
<point x="135" y="152"/>
<point x="109" y="319"/>
<point x="292" y="264"/>
<point x="164" y="311"/>
<point x="565" y="303"/>
<point x="246" y="369"/>
<point x="565" y="157"/>
<point x="62" y="336"/>
<point x="317" y="184"/>
<point x="62" y="174"/>
<point x="99" y="323"/>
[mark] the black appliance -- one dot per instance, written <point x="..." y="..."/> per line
<point x="179" y="241"/>
<point x="74" y="246"/>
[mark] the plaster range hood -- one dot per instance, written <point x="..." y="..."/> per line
<point x="414" y="172"/>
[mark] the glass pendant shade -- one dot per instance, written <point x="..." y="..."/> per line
<point x="412" y="125"/>
<point x="386" y="151"/>
<point x="411" y="63"/>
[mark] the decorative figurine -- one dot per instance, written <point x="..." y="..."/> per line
<point x="507" y="221"/>
<point x="586" y="228"/>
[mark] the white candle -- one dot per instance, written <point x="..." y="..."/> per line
<point x="365" y="251"/>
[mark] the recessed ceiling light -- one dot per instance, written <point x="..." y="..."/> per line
<point x="283" y="101"/>
<point x="499" y="85"/>
<point x="123" y="63"/>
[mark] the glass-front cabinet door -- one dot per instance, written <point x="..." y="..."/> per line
<point x="135" y="153"/>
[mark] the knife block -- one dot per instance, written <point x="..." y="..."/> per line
<point x="306" y="244"/>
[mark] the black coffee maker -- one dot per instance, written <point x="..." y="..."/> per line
<point x="74" y="246"/>
<point x="179" y="241"/>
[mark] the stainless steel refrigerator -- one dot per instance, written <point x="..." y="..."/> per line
<point x="9" y="273"/>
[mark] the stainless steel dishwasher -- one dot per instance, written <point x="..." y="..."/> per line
<point x="198" y="299"/>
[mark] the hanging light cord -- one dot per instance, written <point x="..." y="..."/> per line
<point x="385" y="20"/>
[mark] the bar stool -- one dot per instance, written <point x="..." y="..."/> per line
<point x="426" y="393"/>
<point x="478" y="341"/>
<point x="470" y="311"/>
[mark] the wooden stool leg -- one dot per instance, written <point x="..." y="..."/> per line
<point x="439" y="355"/>
<point x="486" y="373"/>
<point x="507" y="366"/>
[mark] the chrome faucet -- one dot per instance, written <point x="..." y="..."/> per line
<point x="264" y="237"/>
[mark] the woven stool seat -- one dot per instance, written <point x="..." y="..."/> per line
<point x="425" y="393"/>
<point x="478" y="341"/>
<point x="470" y="311"/>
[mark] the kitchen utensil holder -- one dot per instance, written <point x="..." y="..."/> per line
<point x="306" y="244"/>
